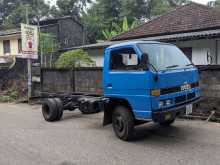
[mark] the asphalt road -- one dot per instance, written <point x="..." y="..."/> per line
<point x="26" y="139"/>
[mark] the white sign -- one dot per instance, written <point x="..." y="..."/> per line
<point x="29" y="37"/>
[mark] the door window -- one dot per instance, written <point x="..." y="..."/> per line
<point x="124" y="59"/>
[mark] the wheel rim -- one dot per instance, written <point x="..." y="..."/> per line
<point x="119" y="124"/>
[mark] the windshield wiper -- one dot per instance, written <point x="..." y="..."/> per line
<point x="172" y="66"/>
<point x="190" y="64"/>
<point x="153" y="67"/>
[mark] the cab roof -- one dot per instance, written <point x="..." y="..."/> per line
<point x="133" y="43"/>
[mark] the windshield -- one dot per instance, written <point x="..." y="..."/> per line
<point x="164" y="56"/>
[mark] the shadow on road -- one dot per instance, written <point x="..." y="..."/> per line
<point x="159" y="134"/>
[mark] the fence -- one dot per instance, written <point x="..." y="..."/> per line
<point x="80" y="80"/>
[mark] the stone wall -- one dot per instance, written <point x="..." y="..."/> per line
<point x="210" y="85"/>
<point x="15" y="78"/>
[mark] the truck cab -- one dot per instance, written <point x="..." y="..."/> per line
<point x="146" y="81"/>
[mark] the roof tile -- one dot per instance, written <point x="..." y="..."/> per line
<point x="190" y="17"/>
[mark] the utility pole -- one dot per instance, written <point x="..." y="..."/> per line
<point x="29" y="64"/>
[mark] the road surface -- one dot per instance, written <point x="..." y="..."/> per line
<point x="26" y="139"/>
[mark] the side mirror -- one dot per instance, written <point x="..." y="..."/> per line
<point x="144" y="61"/>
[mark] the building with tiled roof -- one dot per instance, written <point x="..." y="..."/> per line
<point x="194" y="28"/>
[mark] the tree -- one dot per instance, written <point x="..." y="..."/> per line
<point x="118" y="28"/>
<point x="100" y="16"/>
<point x="175" y="3"/>
<point x="14" y="12"/>
<point x="215" y="3"/>
<point x="73" y="59"/>
<point x="103" y="15"/>
<point x="133" y="9"/>
<point x="69" y="7"/>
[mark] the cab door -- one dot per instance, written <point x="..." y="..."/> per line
<point x="126" y="80"/>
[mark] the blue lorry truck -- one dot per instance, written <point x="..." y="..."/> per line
<point x="142" y="81"/>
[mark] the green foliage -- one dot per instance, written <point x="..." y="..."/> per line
<point x="47" y="43"/>
<point x="73" y="59"/>
<point x="47" y="46"/>
<point x="69" y="7"/>
<point x="102" y="16"/>
<point x="10" y="96"/>
<point x="215" y="3"/>
<point x="99" y="19"/>
<point x="117" y="29"/>
<point x="14" y="12"/>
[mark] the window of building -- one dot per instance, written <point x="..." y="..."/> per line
<point x="124" y="59"/>
<point x="19" y="46"/>
<point x="6" y="46"/>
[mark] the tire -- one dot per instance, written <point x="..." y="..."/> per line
<point x="123" y="123"/>
<point x="168" y="122"/>
<point x="50" y="110"/>
<point x="59" y="105"/>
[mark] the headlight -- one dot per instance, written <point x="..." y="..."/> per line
<point x="155" y="92"/>
<point x="161" y="104"/>
<point x="164" y="103"/>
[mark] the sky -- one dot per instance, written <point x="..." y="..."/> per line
<point x="202" y="1"/>
<point x="53" y="2"/>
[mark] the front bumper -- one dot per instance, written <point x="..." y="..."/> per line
<point x="172" y="112"/>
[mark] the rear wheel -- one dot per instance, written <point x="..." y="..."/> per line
<point x="123" y="123"/>
<point x="59" y="105"/>
<point x="168" y="122"/>
<point x="52" y="109"/>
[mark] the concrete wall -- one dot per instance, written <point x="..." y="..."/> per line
<point x="200" y="50"/>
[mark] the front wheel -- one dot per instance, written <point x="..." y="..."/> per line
<point x="123" y="123"/>
<point x="168" y="122"/>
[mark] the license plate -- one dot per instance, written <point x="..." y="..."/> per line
<point x="189" y="109"/>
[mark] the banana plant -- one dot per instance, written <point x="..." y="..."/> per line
<point x="118" y="29"/>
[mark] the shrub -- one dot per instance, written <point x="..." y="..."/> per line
<point x="9" y="96"/>
<point x="74" y="58"/>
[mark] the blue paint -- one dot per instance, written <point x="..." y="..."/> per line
<point x="135" y="86"/>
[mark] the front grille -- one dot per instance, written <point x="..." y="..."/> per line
<point x="191" y="96"/>
<point x="170" y="90"/>
<point x="176" y="89"/>
<point x="180" y="99"/>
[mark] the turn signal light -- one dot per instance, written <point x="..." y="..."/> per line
<point x="155" y="92"/>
